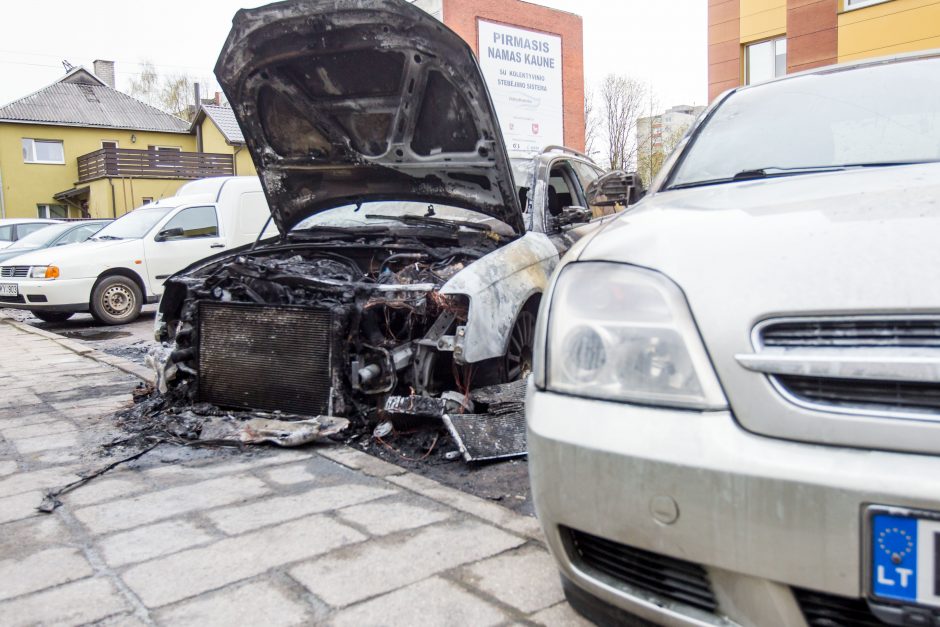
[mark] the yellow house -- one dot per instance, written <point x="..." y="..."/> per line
<point x="753" y="40"/>
<point x="217" y="131"/>
<point x="80" y="148"/>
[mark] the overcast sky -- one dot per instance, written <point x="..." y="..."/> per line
<point x="661" y="43"/>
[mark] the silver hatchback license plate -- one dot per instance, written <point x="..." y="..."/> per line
<point x="9" y="289"/>
<point x="905" y="555"/>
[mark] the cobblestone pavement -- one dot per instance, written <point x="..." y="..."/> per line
<point x="274" y="537"/>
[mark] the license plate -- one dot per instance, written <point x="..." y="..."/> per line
<point x="905" y="556"/>
<point x="9" y="289"/>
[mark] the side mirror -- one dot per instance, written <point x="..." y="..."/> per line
<point x="615" y="188"/>
<point x="574" y="215"/>
<point x="166" y="234"/>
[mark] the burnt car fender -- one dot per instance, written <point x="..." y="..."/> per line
<point x="498" y="286"/>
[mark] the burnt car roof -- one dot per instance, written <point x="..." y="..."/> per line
<point x="349" y="101"/>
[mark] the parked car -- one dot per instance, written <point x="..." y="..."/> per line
<point x="12" y="229"/>
<point x="409" y="262"/>
<point x="53" y="235"/>
<point x="125" y="264"/>
<point x="735" y="412"/>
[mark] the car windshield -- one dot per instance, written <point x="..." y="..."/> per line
<point x="42" y="237"/>
<point x="372" y="214"/>
<point x="133" y="225"/>
<point x="885" y="114"/>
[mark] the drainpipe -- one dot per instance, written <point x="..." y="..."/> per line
<point x="3" y="207"/>
<point x="113" y="199"/>
<point x="198" y="95"/>
<point x="238" y="149"/>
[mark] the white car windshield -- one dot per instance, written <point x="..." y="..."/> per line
<point x="133" y="225"/>
<point x="886" y="114"/>
<point x="395" y="213"/>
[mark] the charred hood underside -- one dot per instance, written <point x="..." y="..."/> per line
<point x="344" y="101"/>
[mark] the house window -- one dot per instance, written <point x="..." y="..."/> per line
<point x="109" y="144"/>
<point x="53" y="212"/>
<point x="146" y="200"/>
<point x="858" y="4"/>
<point x="43" y="151"/>
<point x="765" y="60"/>
<point x="165" y="148"/>
<point x="164" y="162"/>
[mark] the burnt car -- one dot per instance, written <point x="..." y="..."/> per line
<point x="413" y="249"/>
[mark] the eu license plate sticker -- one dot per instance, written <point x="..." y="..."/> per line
<point x="906" y="558"/>
<point x="9" y="289"/>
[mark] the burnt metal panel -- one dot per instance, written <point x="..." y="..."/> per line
<point x="265" y="357"/>
<point x="484" y="437"/>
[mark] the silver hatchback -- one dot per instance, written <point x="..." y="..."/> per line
<point x="735" y="412"/>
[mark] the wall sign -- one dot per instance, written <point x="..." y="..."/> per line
<point x="522" y="69"/>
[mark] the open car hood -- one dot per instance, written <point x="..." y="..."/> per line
<point x="346" y="101"/>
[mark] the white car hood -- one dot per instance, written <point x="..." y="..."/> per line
<point x="62" y="255"/>
<point x="853" y="242"/>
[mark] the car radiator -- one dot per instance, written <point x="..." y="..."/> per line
<point x="265" y="357"/>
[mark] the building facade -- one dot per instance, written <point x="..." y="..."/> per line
<point x="533" y="60"/>
<point x="81" y="149"/>
<point x="754" y="40"/>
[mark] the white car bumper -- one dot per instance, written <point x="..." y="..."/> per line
<point x="766" y="521"/>
<point x="48" y="295"/>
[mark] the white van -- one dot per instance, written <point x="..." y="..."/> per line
<point x="125" y="264"/>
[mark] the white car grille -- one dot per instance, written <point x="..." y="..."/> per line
<point x="14" y="272"/>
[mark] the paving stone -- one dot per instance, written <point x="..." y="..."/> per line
<point x="382" y="565"/>
<point x="433" y="602"/>
<point x="19" y="506"/>
<point x="290" y="475"/>
<point x="357" y="460"/>
<point x="41" y="570"/>
<point x="20" y="399"/>
<point x="490" y="512"/>
<point x="36" y="480"/>
<point x="154" y="506"/>
<point x="204" y="471"/>
<point x="124" y="620"/>
<point x="393" y="515"/>
<point x="526" y="579"/>
<point x="29" y="419"/>
<point x="35" y="533"/>
<point x="191" y="572"/>
<point x="101" y="490"/>
<point x="257" y="603"/>
<point x="233" y="520"/>
<point x="7" y="468"/>
<point x="77" y="603"/>
<point x="35" y="430"/>
<point x="46" y="442"/>
<point x="56" y="456"/>
<point x="560" y="615"/>
<point x="144" y="543"/>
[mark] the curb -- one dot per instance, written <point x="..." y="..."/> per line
<point x="124" y="365"/>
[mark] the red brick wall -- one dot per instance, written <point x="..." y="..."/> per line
<point x="812" y="34"/>
<point x="462" y="15"/>
<point x="724" y="46"/>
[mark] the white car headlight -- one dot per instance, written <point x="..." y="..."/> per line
<point x="44" y="272"/>
<point x="624" y="333"/>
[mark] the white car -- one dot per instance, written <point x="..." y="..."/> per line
<point x="125" y="264"/>
<point x="12" y="229"/>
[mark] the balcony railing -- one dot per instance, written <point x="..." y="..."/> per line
<point x="153" y="164"/>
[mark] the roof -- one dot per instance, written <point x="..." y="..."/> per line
<point x="81" y="99"/>
<point x="224" y="119"/>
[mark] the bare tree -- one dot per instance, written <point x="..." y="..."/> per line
<point x="171" y="93"/>
<point x="621" y="103"/>
<point x="653" y="154"/>
<point x="592" y="125"/>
